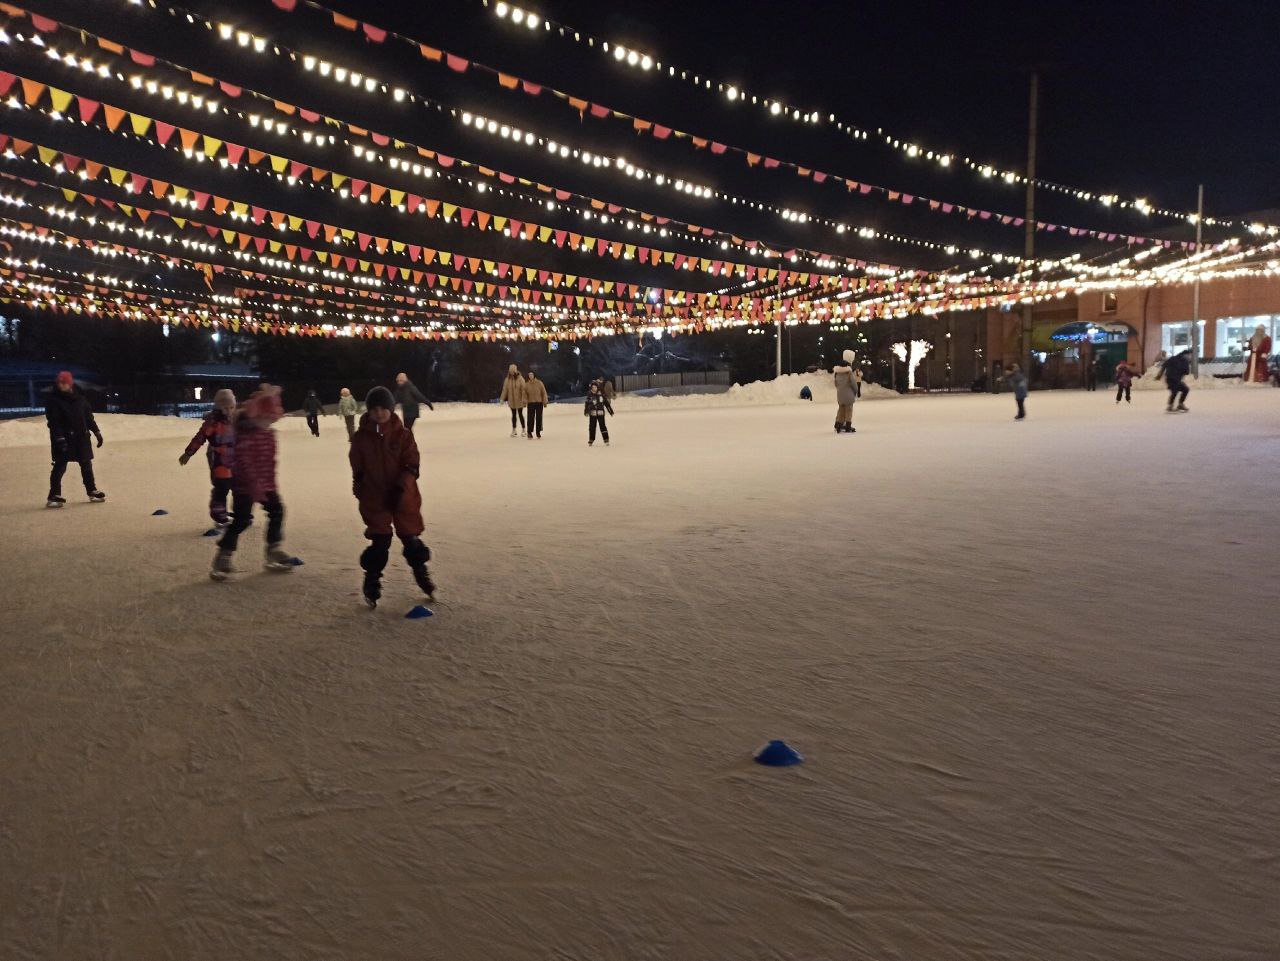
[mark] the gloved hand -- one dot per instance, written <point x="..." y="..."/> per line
<point x="98" y="434"/>
<point x="393" y="498"/>
<point x="183" y="458"/>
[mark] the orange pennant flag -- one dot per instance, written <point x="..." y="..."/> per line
<point x="31" y="91"/>
<point x="346" y="23"/>
<point x="114" y="115"/>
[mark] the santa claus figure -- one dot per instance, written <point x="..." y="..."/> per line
<point x="1256" y="369"/>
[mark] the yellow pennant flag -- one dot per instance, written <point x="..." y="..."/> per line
<point x="117" y="176"/>
<point x="61" y="99"/>
<point x="228" y="236"/>
<point x="544" y="234"/>
<point x="449" y="210"/>
<point x="337" y="179"/>
<point x="295" y="223"/>
<point x="279" y="164"/>
<point x="140" y="124"/>
<point x="240" y="207"/>
<point x="347" y="232"/>
<point x="275" y="246"/>
<point x="47" y="154"/>
<point x="211" y="145"/>
<point x="397" y="246"/>
<point x="397" y="198"/>
<point x="499" y="223"/>
<point x="69" y="194"/>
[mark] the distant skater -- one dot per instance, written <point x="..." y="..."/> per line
<point x="253" y="481"/>
<point x="514" y="396"/>
<point x="70" y="420"/>
<point x="595" y="408"/>
<point x="1016" y="379"/>
<point x="535" y="392"/>
<point x="409" y="397"/>
<point x="219" y="430"/>
<point x="347" y="410"/>
<point x="1174" y="372"/>
<point x="314" y="409"/>
<point x="846" y="394"/>
<point x="1091" y="374"/>
<point x="384" y="478"/>
<point x="1124" y="382"/>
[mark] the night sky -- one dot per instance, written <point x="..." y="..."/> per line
<point x="1140" y="99"/>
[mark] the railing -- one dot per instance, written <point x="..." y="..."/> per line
<point x="696" y="378"/>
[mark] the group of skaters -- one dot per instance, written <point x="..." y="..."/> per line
<point x="526" y="396"/>
<point x="407" y="397"/>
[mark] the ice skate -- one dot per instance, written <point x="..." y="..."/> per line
<point x="55" y="501"/>
<point x="277" y="559"/>
<point x="1182" y="407"/>
<point x="425" y="584"/>
<point x="371" y="590"/>
<point x="221" y="569"/>
<point x="97" y="496"/>
<point x="513" y="432"/>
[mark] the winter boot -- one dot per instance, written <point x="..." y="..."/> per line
<point x="849" y="428"/>
<point x="839" y="427"/>
<point x="1182" y="407"/>
<point x="221" y="565"/>
<point x="277" y="559"/>
<point x="97" y="496"/>
<point x="55" y="500"/>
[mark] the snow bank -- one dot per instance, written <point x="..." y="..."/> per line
<point x="32" y="432"/>
<point x="783" y="390"/>
<point x="1151" y="381"/>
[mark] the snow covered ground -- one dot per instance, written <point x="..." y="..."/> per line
<point x="1032" y="668"/>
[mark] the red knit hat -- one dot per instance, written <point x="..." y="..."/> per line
<point x="64" y="377"/>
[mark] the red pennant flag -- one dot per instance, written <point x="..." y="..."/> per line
<point x="308" y="115"/>
<point x="600" y="111"/>
<point x="44" y="24"/>
<point x="231" y="90"/>
<point x="466" y="213"/>
<point x="444" y="161"/>
<point x="376" y="34"/>
<point x="234" y="152"/>
<point x="143" y="59"/>
<point x="414" y="202"/>
<point x="88" y="108"/>
<point x="770" y="162"/>
<point x="532" y="89"/>
<point x="456" y="63"/>
<point x="661" y="132"/>
<point x="286" y="5"/>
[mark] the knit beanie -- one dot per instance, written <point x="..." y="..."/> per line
<point x="512" y="370"/>
<point x="64" y="377"/>
<point x="380" y="397"/>
<point x="848" y="357"/>
<point x="224" y="399"/>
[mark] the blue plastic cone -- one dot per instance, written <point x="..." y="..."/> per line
<point x="420" y="612"/>
<point x="211" y="532"/>
<point x="159" y="512"/>
<point x="778" y="754"/>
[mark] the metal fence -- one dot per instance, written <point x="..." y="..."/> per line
<point x="694" y="378"/>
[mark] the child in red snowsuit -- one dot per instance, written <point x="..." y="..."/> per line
<point x="384" y="478"/>
<point x="219" y="430"/>
<point x="254" y="481"/>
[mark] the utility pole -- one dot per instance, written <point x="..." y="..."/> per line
<point x="1029" y="243"/>
<point x="1195" y="292"/>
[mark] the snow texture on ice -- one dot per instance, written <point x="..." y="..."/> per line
<point x="1033" y="667"/>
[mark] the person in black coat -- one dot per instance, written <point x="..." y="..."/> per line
<point x="71" y="423"/>
<point x="409" y="397"/>
<point x="314" y="409"/>
<point x="1174" y="372"/>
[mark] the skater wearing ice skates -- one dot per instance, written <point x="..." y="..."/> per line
<point x="1016" y="379"/>
<point x="219" y="430"/>
<point x="70" y="420"/>
<point x="536" y="396"/>
<point x="596" y="406"/>
<point x="409" y="397"/>
<point x="314" y="409"/>
<point x="1124" y="382"/>
<point x="384" y="478"/>
<point x="846" y="394"/>
<point x="253" y="481"/>
<point x="347" y="411"/>
<point x="1174" y="373"/>
<point x="514" y="395"/>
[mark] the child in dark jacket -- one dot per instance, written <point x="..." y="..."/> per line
<point x="597" y="404"/>
<point x="254" y="482"/>
<point x="1124" y="382"/>
<point x="219" y="430"/>
<point x="384" y="478"/>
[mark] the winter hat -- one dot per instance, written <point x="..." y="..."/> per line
<point x="264" y="404"/>
<point x="346" y="392"/>
<point x="380" y="397"/>
<point x="512" y="370"/>
<point x="848" y="356"/>
<point x="225" y="399"/>
<point x="64" y="377"/>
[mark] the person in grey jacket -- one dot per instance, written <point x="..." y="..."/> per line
<point x="347" y="409"/>
<point x="1016" y="379"/>
<point x="846" y="394"/>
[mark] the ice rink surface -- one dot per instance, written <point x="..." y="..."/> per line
<point x="1034" y="669"/>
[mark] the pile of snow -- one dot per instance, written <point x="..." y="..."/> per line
<point x="782" y="390"/>
<point x="1151" y="381"/>
<point x="32" y="432"/>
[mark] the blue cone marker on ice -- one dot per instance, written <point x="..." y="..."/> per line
<point x="159" y="512"/>
<point x="778" y="754"/>
<point x="419" y="612"/>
